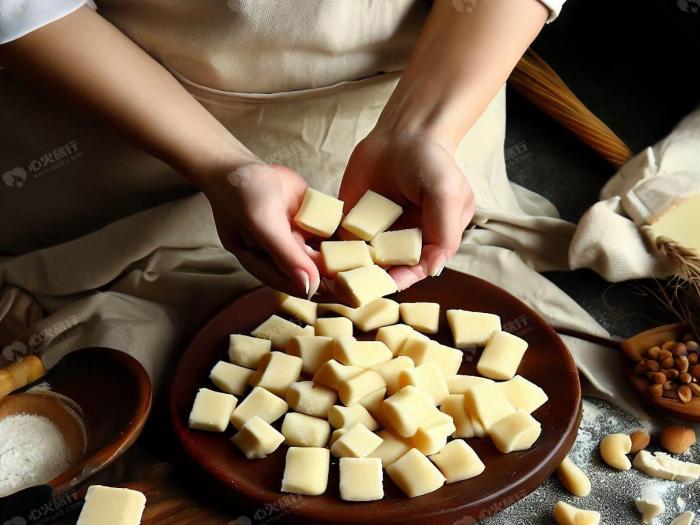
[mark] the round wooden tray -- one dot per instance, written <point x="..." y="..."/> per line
<point x="254" y="485"/>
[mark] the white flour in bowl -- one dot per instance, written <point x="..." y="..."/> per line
<point x="32" y="451"/>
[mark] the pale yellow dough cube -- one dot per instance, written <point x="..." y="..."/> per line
<point x="457" y="461"/>
<point x="361" y="479"/>
<point x="372" y="214"/>
<point x="355" y="388"/>
<point x="363" y="285"/>
<point x="434" y="427"/>
<point x="398" y="247"/>
<point x="260" y="403"/>
<point x="390" y="370"/>
<point x="302" y="309"/>
<point x="428" y="378"/>
<point x="341" y="256"/>
<point x="333" y="327"/>
<point x="391" y="449"/>
<point x="280" y="331"/>
<point x="309" y="398"/>
<point x="211" y="410"/>
<point x="332" y="373"/>
<point x="459" y="384"/>
<point x="306" y="470"/>
<point x="357" y="442"/>
<point x="346" y="417"/>
<point x="364" y="354"/>
<point x="453" y="406"/>
<point x="399" y="410"/>
<point x="518" y="431"/>
<point x="313" y="350"/>
<point x="380" y="312"/>
<point x="424" y="317"/>
<point x="502" y="355"/>
<point x="421" y="351"/>
<point x="276" y="372"/>
<point x="415" y="475"/>
<point x="246" y="351"/>
<point x="335" y="435"/>
<point x="257" y="438"/>
<point x="301" y="430"/>
<point x="395" y="336"/>
<point x="337" y="308"/>
<point x="486" y="404"/>
<point x="111" y="506"/>
<point x="566" y="514"/>
<point x="472" y="328"/>
<point x="524" y="394"/>
<point x="230" y="378"/>
<point x="373" y="402"/>
<point x="319" y="213"/>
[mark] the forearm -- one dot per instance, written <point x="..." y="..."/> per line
<point x="84" y="58"/>
<point x="460" y="62"/>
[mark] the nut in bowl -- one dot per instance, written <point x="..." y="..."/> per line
<point x="663" y="365"/>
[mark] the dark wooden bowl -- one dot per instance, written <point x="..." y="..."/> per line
<point x="508" y="477"/>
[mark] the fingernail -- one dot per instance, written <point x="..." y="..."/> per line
<point x="303" y="280"/>
<point x="437" y="270"/>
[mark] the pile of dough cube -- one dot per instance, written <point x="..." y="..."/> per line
<point x="394" y="404"/>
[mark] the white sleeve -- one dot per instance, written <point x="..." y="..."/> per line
<point x="19" y="17"/>
<point x="554" y="7"/>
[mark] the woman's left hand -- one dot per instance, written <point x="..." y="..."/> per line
<point x="417" y="171"/>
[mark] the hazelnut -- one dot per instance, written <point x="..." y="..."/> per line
<point x="663" y="355"/>
<point x="640" y="440"/>
<point x="668" y="344"/>
<point x="668" y="385"/>
<point x="685" y="394"/>
<point x="667" y="363"/>
<point x="695" y="389"/>
<point x="656" y="390"/>
<point x="672" y="373"/>
<point x="653" y="352"/>
<point x="685" y="377"/>
<point x="695" y="371"/>
<point x="679" y="349"/>
<point x="692" y="346"/>
<point x="677" y="439"/>
<point x="682" y="364"/>
<point x="652" y="365"/>
<point x="693" y="358"/>
<point x="657" y="377"/>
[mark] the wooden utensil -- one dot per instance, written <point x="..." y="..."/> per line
<point x="254" y="485"/>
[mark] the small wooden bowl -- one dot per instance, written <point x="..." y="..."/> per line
<point x="666" y="406"/>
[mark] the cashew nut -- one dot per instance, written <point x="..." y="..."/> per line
<point x="614" y="449"/>
<point x="573" y="478"/>
<point x="566" y="514"/>
<point x="649" y="508"/>
<point x="684" y="519"/>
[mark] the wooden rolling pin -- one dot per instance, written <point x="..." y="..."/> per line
<point x="20" y="373"/>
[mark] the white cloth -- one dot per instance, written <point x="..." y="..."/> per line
<point x="20" y="17"/>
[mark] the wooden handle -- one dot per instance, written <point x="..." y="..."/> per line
<point x="20" y="373"/>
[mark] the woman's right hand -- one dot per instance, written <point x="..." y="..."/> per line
<point x="253" y="206"/>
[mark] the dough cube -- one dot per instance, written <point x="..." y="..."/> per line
<point x="319" y="213"/>
<point x="341" y="256"/>
<point x="391" y="449"/>
<point x="502" y="355"/>
<point x="313" y="350"/>
<point x="357" y="442"/>
<point x="361" y="479"/>
<point x="302" y="309"/>
<point x="458" y="384"/>
<point x="355" y="388"/>
<point x="280" y="331"/>
<point x="311" y="399"/>
<point x="486" y="404"/>
<point x="346" y="417"/>
<point x="415" y="475"/>
<point x="301" y="430"/>
<point x="364" y="354"/>
<point x="363" y="285"/>
<point x="372" y="214"/>
<point x="472" y="328"/>
<point x="246" y="351"/>
<point x="333" y="327"/>
<point x="110" y="506"/>
<point x="335" y="435"/>
<point x="257" y="438"/>
<point x="398" y="247"/>
<point x="424" y="317"/>
<point x="524" y="394"/>
<point x="457" y="461"/>
<point x="389" y="370"/>
<point x="447" y="359"/>
<point x="373" y="402"/>
<point x="396" y="335"/>
<point x="276" y="372"/>
<point x="337" y="308"/>
<point x="453" y="406"/>
<point x="230" y="378"/>
<point x="380" y="312"/>
<point x="518" y="431"/>
<point x="434" y="427"/>
<point x="211" y="410"/>
<point x="306" y="470"/>
<point x="427" y="377"/>
<point x="332" y="373"/>
<point x="260" y="403"/>
<point x="400" y="409"/>
<point x="566" y="514"/>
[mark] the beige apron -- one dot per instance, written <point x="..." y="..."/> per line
<point x="298" y="82"/>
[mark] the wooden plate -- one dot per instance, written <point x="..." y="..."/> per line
<point x="507" y="478"/>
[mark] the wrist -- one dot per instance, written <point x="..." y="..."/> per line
<point x="206" y="170"/>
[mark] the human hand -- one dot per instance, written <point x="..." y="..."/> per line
<point x="253" y="206"/>
<point x="418" y="172"/>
